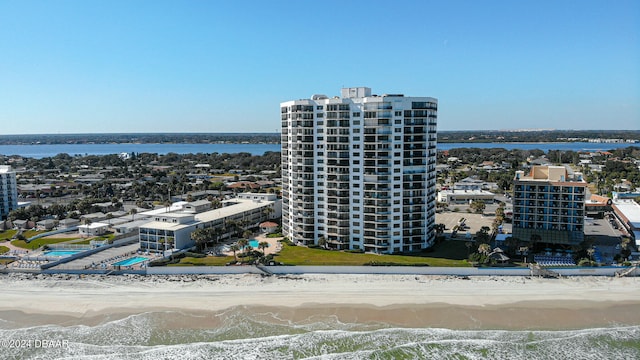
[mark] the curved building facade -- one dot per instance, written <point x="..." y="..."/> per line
<point x="359" y="171"/>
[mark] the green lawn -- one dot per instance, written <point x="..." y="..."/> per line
<point x="205" y="261"/>
<point x="299" y="255"/>
<point x="30" y="233"/>
<point x="3" y="249"/>
<point x="7" y="234"/>
<point x="448" y="254"/>
<point x="36" y="243"/>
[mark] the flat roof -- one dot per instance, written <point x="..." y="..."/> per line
<point x="174" y="207"/>
<point x="94" y="225"/>
<point x="241" y="206"/>
<point x="631" y="210"/>
<point x="164" y="225"/>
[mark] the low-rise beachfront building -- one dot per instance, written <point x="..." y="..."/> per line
<point x="8" y="191"/>
<point x="46" y="224"/>
<point x="171" y="230"/>
<point x="68" y="223"/>
<point x="93" y="229"/>
<point x="460" y="197"/>
<point x="549" y="206"/>
<point x="628" y="213"/>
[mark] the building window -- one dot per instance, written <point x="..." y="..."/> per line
<point x="397" y="138"/>
<point x="320" y="115"/>
<point x="319" y="107"/>
<point x="356" y="162"/>
<point x="356" y="138"/>
<point x="397" y="130"/>
<point x="398" y="113"/>
<point x="356" y="122"/>
<point x="356" y="114"/>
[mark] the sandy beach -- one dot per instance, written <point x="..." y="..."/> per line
<point x="402" y="300"/>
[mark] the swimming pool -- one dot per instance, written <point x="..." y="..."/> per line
<point x="61" y="253"/>
<point x="130" y="261"/>
<point x="254" y="243"/>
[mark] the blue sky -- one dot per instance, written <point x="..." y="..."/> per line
<point x="209" y="66"/>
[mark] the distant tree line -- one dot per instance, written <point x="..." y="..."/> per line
<point x="467" y="136"/>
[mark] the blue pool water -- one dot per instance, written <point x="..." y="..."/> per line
<point x="61" y="253"/>
<point x="254" y="243"/>
<point x="130" y="261"/>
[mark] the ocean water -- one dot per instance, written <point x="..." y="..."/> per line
<point x="242" y="334"/>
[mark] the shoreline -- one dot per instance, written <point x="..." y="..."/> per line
<point x="516" y="303"/>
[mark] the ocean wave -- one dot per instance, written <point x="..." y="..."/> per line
<point x="241" y="333"/>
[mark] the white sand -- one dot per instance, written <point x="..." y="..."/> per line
<point x="71" y="295"/>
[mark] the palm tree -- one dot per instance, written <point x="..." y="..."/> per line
<point x="267" y="211"/>
<point x="263" y="245"/>
<point x="133" y="213"/>
<point x="234" y="248"/>
<point x="200" y="236"/>
<point x="484" y="249"/>
<point x="243" y="244"/>
<point x="322" y="242"/>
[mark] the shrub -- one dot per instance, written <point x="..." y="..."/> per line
<point x="585" y="262"/>
<point x="355" y="251"/>
<point x="194" y="255"/>
<point x="287" y="241"/>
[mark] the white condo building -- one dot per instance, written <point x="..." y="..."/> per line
<point x="360" y="171"/>
<point x="8" y="191"/>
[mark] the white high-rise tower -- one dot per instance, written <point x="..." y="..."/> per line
<point x="8" y="191"/>
<point x="360" y="171"/>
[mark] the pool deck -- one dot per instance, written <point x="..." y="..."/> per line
<point x="100" y="258"/>
<point x="274" y="245"/>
